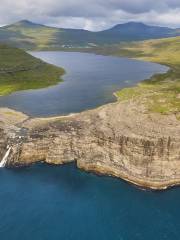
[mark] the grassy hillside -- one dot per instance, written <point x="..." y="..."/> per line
<point x="28" y="35"/>
<point x="21" y="71"/>
<point x="162" y="92"/>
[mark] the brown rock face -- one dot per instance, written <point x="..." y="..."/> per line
<point x="118" y="139"/>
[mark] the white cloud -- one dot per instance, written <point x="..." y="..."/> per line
<point x="91" y="14"/>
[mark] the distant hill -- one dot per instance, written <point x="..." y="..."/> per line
<point x="24" y="24"/>
<point x="138" y="31"/>
<point x="29" y="35"/>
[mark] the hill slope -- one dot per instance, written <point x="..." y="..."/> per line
<point x="28" y="35"/>
<point x="21" y="71"/>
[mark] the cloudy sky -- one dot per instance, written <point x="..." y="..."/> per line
<point x="91" y="14"/>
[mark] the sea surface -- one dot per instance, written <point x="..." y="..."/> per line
<point x="90" y="81"/>
<point x="45" y="202"/>
<point x="61" y="202"/>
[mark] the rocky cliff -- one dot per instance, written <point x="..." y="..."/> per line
<point x="119" y="139"/>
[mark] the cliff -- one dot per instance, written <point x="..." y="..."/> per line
<point x="120" y="139"/>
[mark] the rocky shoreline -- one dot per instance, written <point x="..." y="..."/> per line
<point x="120" y="139"/>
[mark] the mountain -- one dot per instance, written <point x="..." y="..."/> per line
<point x="24" y="23"/>
<point x="28" y="35"/>
<point x="138" y="31"/>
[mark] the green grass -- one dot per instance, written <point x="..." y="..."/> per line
<point x="161" y="93"/>
<point x="21" y="71"/>
<point x="158" y="95"/>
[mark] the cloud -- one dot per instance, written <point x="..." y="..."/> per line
<point x="91" y="14"/>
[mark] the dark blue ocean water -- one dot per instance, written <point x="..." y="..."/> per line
<point x="89" y="82"/>
<point x="61" y="202"/>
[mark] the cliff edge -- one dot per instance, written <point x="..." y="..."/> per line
<point x="121" y="139"/>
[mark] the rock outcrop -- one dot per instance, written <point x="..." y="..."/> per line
<point x="119" y="139"/>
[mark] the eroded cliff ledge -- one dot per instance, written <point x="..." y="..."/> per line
<point x="119" y="139"/>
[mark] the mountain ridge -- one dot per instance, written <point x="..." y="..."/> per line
<point x="32" y="36"/>
<point x="129" y="23"/>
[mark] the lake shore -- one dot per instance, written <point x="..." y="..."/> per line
<point x="88" y="83"/>
<point x="161" y="92"/>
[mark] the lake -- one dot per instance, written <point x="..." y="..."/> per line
<point x="90" y="81"/>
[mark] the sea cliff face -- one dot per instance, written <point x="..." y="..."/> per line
<point x="119" y="139"/>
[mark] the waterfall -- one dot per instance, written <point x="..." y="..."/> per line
<point x="5" y="158"/>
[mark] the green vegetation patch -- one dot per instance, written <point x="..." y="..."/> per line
<point x="162" y="96"/>
<point x="21" y="71"/>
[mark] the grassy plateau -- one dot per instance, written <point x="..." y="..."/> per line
<point x="21" y="71"/>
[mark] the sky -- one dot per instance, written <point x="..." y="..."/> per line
<point x="92" y="15"/>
